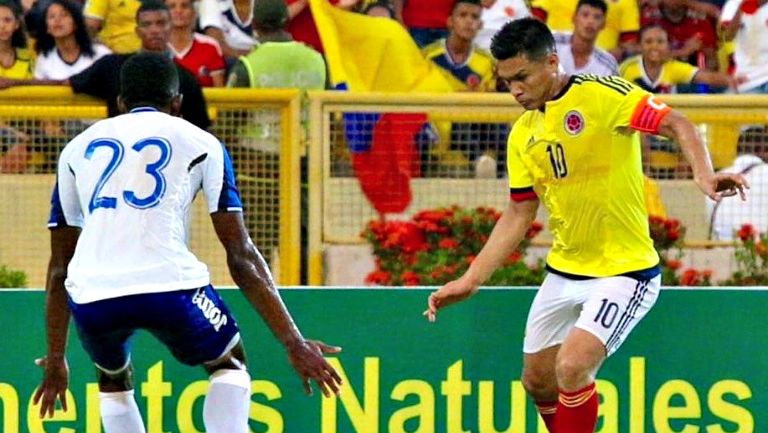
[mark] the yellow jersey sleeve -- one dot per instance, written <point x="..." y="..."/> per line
<point x="681" y="72"/>
<point x="520" y="178"/>
<point x="96" y="9"/>
<point x="628" y="106"/>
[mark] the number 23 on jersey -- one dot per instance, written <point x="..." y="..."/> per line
<point x="154" y="169"/>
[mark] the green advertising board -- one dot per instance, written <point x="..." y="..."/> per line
<point x="696" y="364"/>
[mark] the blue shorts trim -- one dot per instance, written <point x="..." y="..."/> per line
<point x="195" y="325"/>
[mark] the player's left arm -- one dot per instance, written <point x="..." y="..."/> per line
<point x="677" y="127"/>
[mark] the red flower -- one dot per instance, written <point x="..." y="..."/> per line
<point x="514" y="257"/>
<point x="673" y="235"/>
<point x="379" y="277"/>
<point x="706" y="274"/>
<point x="410" y="278"/>
<point x="674" y="264"/>
<point x="469" y="259"/>
<point x="448" y="243"/>
<point x="746" y="232"/>
<point x="690" y="278"/>
<point x="535" y="228"/>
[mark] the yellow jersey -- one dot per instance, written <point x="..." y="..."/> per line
<point x="23" y="68"/>
<point x="580" y="156"/>
<point x="475" y="74"/>
<point x="118" y="23"/>
<point x="673" y="72"/>
<point x="623" y="16"/>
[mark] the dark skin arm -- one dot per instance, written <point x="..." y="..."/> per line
<point x="56" y="372"/>
<point x="251" y="274"/>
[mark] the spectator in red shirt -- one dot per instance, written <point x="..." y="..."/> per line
<point x="201" y="55"/>
<point x="692" y="37"/>
<point x="426" y="20"/>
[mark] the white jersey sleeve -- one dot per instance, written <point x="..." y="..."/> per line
<point x="219" y="185"/>
<point x="65" y="204"/>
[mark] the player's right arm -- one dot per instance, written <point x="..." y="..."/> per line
<point x="250" y="272"/>
<point x="509" y="230"/>
<point x="507" y="234"/>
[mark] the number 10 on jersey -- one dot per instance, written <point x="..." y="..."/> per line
<point x="557" y="159"/>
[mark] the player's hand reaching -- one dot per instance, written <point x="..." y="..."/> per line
<point x="306" y="357"/>
<point x="54" y="386"/>
<point x="722" y="185"/>
<point x="454" y="291"/>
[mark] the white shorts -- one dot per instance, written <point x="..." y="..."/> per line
<point x="609" y="308"/>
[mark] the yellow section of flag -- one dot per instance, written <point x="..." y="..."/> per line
<point x="372" y="54"/>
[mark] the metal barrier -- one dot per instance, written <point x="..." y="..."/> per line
<point x="260" y="128"/>
<point x="461" y="156"/>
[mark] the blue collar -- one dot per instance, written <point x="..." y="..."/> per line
<point x="142" y="109"/>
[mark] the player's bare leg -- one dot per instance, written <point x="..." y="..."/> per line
<point x="227" y="403"/>
<point x="119" y="412"/>
<point x="540" y="382"/>
<point x="578" y="361"/>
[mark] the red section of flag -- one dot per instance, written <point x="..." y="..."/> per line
<point x="385" y="170"/>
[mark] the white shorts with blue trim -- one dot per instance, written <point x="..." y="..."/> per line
<point x="609" y="308"/>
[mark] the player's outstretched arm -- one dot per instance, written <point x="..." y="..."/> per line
<point x="715" y="185"/>
<point x="505" y="237"/>
<point x="250" y="272"/>
<point x="55" y="370"/>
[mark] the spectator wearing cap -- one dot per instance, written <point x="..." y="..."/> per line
<point x="278" y="61"/>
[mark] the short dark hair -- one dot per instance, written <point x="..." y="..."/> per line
<point x="19" y="38"/>
<point x="148" y="79"/>
<point x="471" y="2"/>
<point x="645" y="28"/>
<point x="379" y="4"/>
<point x="45" y="43"/>
<point x="151" y="6"/>
<point x="597" y="4"/>
<point x="528" y="37"/>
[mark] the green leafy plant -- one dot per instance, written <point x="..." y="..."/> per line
<point x="751" y="258"/>
<point x="437" y="246"/>
<point x="10" y="278"/>
<point x="668" y="235"/>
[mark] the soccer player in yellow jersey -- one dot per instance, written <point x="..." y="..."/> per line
<point x="573" y="149"/>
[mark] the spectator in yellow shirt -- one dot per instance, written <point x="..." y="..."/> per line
<point x="16" y="61"/>
<point x="114" y="23"/>
<point x="656" y="71"/>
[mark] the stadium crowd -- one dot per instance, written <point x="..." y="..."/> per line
<point x="663" y="46"/>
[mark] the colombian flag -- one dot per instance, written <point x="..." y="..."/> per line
<point x="377" y="54"/>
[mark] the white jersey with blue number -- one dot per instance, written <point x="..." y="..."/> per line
<point x="129" y="182"/>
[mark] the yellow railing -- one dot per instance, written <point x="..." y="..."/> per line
<point x="34" y="112"/>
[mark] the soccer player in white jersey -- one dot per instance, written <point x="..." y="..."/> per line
<point x="119" y="260"/>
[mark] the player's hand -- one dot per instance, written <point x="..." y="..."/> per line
<point x="454" y="291"/>
<point x="306" y="357"/>
<point x="54" y="386"/>
<point x="723" y="185"/>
